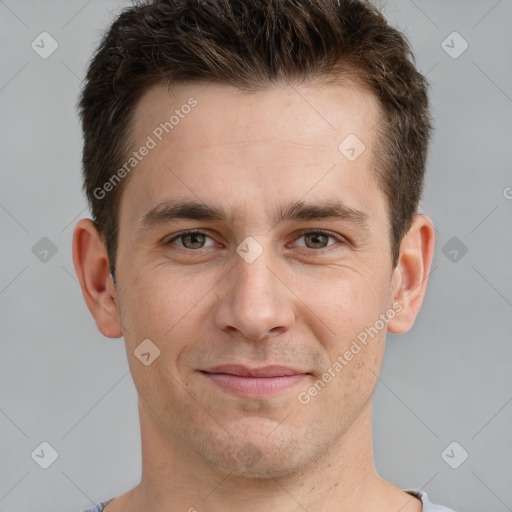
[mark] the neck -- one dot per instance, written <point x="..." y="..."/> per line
<point x="342" y="479"/>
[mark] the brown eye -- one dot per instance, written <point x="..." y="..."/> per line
<point x="191" y="240"/>
<point x="316" y="240"/>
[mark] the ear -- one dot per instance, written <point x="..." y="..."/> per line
<point x="411" y="273"/>
<point x="93" y="270"/>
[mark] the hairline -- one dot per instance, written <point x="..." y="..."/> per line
<point x="349" y="77"/>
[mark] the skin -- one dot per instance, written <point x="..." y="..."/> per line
<point x="293" y="306"/>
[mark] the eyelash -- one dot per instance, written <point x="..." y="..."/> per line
<point x="302" y="233"/>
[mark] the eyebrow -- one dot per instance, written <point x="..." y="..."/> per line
<point x="172" y="210"/>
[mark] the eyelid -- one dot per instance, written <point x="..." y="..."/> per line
<point x="309" y="231"/>
<point x="306" y="231"/>
<point x="174" y="236"/>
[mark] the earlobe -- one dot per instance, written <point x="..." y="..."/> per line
<point x="411" y="273"/>
<point x="91" y="264"/>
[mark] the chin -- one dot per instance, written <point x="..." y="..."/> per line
<point x="259" y="453"/>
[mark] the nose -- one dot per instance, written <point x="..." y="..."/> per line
<point x="255" y="303"/>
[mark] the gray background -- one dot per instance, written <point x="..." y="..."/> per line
<point x="448" y="379"/>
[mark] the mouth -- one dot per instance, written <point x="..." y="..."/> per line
<point x="254" y="382"/>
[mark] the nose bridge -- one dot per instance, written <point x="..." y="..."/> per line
<point x="254" y="281"/>
<point x="255" y="300"/>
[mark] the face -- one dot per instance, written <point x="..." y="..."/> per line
<point x="288" y="266"/>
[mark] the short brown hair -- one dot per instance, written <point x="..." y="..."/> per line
<point x="251" y="44"/>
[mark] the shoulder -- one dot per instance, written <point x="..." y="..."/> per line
<point x="428" y="506"/>
<point x="98" y="507"/>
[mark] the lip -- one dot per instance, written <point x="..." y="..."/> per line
<point x="263" y="371"/>
<point x="254" y="382"/>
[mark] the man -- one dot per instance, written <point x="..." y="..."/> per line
<point x="253" y="169"/>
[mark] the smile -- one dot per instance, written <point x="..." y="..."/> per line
<point x="255" y="382"/>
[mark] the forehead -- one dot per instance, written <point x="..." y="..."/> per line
<point x="271" y="145"/>
<point x="225" y="114"/>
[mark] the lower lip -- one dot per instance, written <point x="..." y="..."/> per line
<point x="254" y="386"/>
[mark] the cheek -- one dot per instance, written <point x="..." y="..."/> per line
<point x="162" y="308"/>
<point x="159" y="301"/>
<point x="169" y="309"/>
<point x="346" y="301"/>
<point x="348" y="306"/>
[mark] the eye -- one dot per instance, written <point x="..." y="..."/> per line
<point x="195" y="240"/>
<point x="317" y="239"/>
<point x="191" y="240"/>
